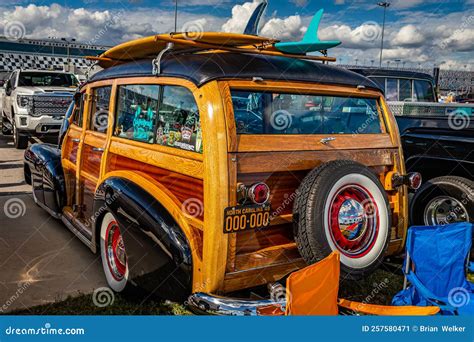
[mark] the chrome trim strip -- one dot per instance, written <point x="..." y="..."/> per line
<point x="207" y="304"/>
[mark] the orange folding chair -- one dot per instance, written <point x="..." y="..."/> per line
<point x="313" y="290"/>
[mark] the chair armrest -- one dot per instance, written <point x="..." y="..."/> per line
<point x="387" y="310"/>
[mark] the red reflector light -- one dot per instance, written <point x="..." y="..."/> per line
<point x="414" y="180"/>
<point x="258" y="193"/>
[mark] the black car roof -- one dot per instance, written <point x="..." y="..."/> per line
<point x="368" y="72"/>
<point x="205" y="67"/>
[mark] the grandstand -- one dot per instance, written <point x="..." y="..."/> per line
<point x="46" y="54"/>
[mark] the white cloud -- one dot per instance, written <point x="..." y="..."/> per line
<point x="438" y="38"/>
<point x="240" y="17"/>
<point x="409" y="35"/>
<point x="459" y="40"/>
<point x="289" y="28"/>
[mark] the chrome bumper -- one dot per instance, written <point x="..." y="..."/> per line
<point x="207" y="304"/>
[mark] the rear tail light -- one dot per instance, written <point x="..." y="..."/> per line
<point x="257" y="193"/>
<point x="414" y="180"/>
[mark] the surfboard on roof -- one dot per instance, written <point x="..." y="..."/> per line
<point x="248" y="42"/>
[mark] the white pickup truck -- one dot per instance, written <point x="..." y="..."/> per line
<point x="33" y="103"/>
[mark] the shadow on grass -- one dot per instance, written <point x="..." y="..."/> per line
<point x="378" y="288"/>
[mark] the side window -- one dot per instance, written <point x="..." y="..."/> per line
<point x="391" y="91"/>
<point x="179" y="123"/>
<point x="100" y="109"/>
<point x="405" y="90"/>
<point x="78" y="114"/>
<point x="424" y="91"/>
<point x="136" y="112"/>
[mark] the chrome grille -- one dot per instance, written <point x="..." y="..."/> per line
<point x="49" y="104"/>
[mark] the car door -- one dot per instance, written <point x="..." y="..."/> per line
<point x="70" y="152"/>
<point x="92" y="152"/>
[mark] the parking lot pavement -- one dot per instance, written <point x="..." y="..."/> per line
<point x="41" y="261"/>
<point x="11" y="167"/>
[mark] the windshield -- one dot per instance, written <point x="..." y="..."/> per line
<point x="46" y="79"/>
<point x="277" y="113"/>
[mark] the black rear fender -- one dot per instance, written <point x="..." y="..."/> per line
<point x="158" y="252"/>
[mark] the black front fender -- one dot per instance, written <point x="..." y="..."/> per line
<point x="47" y="176"/>
<point x="158" y="252"/>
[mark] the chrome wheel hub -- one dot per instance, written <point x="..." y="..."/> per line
<point x="445" y="210"/>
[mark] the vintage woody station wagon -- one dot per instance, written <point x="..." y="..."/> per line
<point x="217" y="170"/>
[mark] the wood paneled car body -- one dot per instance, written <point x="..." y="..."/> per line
<point x="225" y="170"/>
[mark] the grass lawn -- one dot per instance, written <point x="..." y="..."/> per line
<point x="379" y="288"/>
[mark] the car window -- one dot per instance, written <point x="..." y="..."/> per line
<point x="136" y="112"/>
<point x="405" y="93"/>
<point x="280" y="113"/>
<point x="391" y="91"/>
<point x="424" y="91"/>
<point x="380" y="82"/>
<point x="78" y="113"/>
<point x="178" y="122"/>
<point x="100" y="109"/>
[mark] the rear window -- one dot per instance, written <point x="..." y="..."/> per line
<point x="280" y="113"/>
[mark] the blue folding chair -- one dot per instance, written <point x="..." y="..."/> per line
<point x="435" y="267"/>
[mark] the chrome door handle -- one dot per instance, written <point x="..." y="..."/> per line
<point x="76" y="140"/>
<point x="97" y="149"/>
<point x="326" y="141"/>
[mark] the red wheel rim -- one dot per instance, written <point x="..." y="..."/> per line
<point x="115" y="251"/>
<point x="353" y="220"/>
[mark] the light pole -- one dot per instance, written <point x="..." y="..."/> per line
<point x="384" y="5"/>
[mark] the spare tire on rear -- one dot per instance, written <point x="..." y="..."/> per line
<point x="342" y="206"/>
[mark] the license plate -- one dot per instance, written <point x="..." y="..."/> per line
<point x="246" y="217"/>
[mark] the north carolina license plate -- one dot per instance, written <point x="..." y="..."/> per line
<point x="245" y="217"/>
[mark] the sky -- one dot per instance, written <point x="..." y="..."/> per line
<point x="417" y="33"/>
